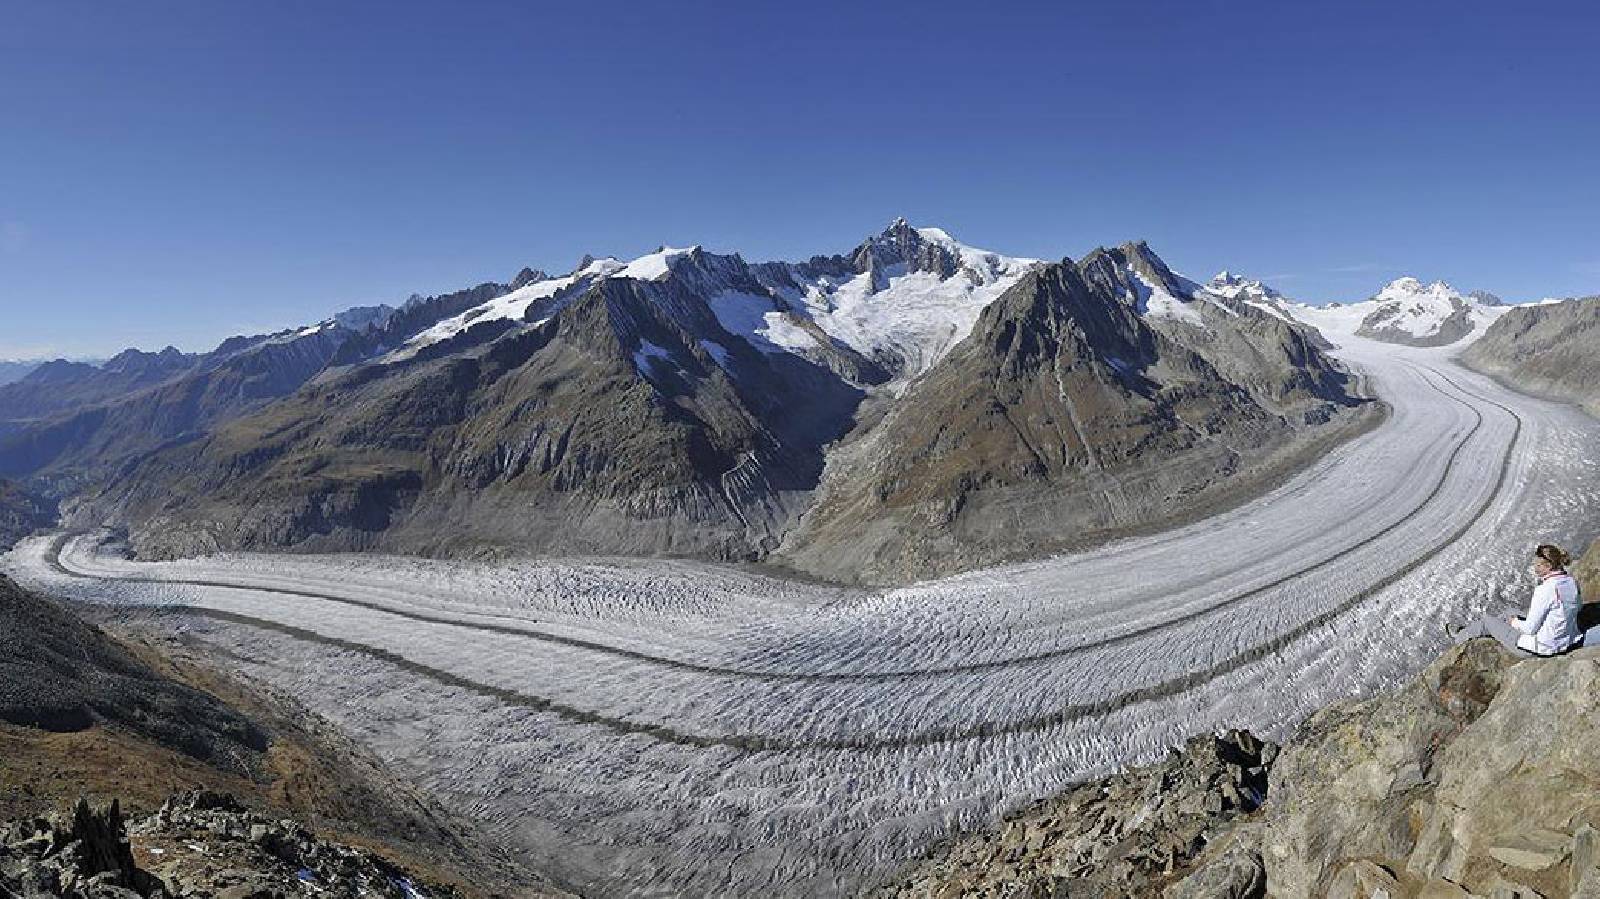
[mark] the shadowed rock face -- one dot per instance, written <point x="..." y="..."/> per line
<point x="21" y="513"/>
<point x="81" y="857"/>
<point x="1551" y="350"/>
<point x="58" y="673"/>
<point x="630" y="422"/>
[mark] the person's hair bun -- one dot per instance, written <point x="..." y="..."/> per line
<point x="1555" y="555"/>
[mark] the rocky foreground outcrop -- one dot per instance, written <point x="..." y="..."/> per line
<point x="137" y="719"/>
<point x="1121" y="837"/>
<point x="199" y="844"/>
<point x="61" y="674"/>
<point x="1479" y="778"/>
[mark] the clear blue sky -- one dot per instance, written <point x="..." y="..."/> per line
<point x="179" y="171"/>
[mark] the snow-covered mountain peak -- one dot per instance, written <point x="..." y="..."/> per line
<point x="984" y="265"/>
<point x="655" y="266"/>
<point x="903" y="297"/>
<point x="1408" y="288"/>
<point x="1409" y="311"/>
<point x="598" y="268"/>
<point x="1236" y="286"/>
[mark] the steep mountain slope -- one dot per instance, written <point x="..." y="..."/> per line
<point x="678" y="403"/>
<point x="1092" y="398"/>
<point x="69" y="424"/>
<point x="1551" y="349"/>
<point x="85" y="714"/>
<point x="12" y="370"/>
<point x="686" y="402"/>
<point x="113" y="418"/>
<point x="61" y="674"/>
<point x="903" y="298"/>
<point x="632" y="421"/>
<point x="21" y="512"/>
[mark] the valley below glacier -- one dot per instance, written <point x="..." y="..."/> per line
<point x="650" y="727"/>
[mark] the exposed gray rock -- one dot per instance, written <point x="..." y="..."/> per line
<point x="21" y="513"/>
<point x="84" y="856"/>
<point x="1234" y="873"/>
<point x="1072" y="414"/>
<point x="1126" y="836"/>
<point x="59" y="673"/>
<point x="1476" y="779"/>
<point x="1552" y="350"/>
<point x="1344" y="788"/>
<point x="198" y="847"/>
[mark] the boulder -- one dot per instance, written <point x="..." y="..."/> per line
<point x="1346" y="786"/>
<point x="1516" y="784"/>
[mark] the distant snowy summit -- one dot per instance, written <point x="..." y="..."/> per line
<point x="1252" y="292"/>
<point x="1409" y="312"/>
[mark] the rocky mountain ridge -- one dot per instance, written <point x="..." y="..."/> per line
<point x="1547" y="349"/>
<point x="199" y="844"/>
<point x="1091" y="398"/>
<point x="688" y="403"/>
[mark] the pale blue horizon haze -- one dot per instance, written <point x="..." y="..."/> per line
<point x="176" y="172"/>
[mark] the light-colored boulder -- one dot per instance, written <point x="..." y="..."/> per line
<point x="1442" y="889"/>
<point x="1364" y="879"/>
<point x="1347" y="785"/>
<point x="1229" y="868"/>
<point x="1516" y="781"/>
<point x="1534" y="850"/>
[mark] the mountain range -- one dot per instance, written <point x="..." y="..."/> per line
<point x="914" y="406"/>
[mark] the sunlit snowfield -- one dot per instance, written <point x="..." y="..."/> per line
<point x="669" y="727"/>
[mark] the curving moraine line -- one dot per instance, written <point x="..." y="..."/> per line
<point x="54" y="558"/>
<point x="865" y="743"/>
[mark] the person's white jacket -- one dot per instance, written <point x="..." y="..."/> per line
<point x="1551" y="625"/>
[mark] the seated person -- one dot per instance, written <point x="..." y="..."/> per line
<point x="1551" y="624"/>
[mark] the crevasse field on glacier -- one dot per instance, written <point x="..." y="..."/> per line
<point x="650" y="727"/>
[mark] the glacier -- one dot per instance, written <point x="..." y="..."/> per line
<point x="649" y="727"/>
